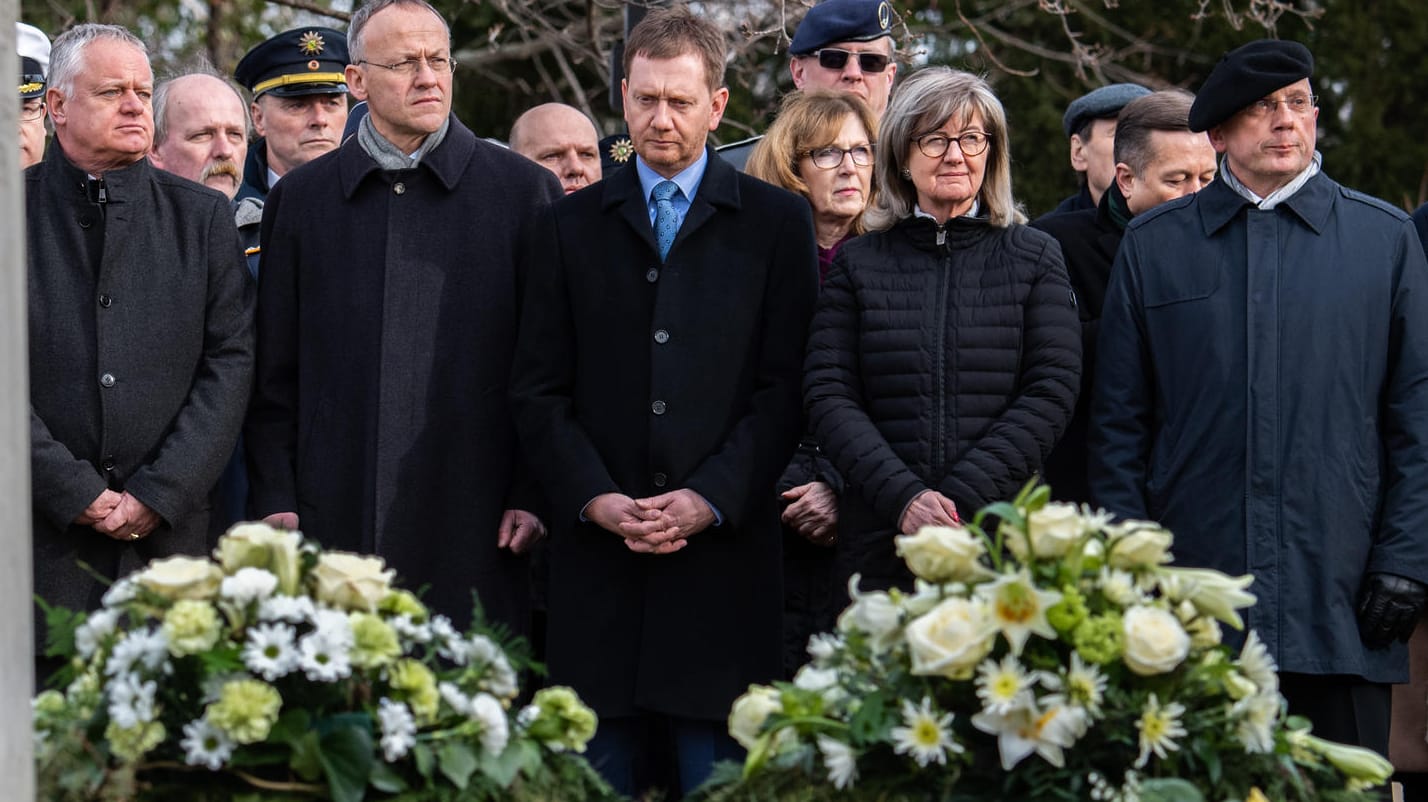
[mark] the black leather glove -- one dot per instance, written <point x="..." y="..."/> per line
<point x="1389" y="608"/>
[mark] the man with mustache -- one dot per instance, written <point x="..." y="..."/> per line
<point x="1260" y="390"/>
<point x="141" y="330"/>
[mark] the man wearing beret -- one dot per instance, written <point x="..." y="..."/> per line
<point x="842" y="45"/>
<point x="1260" y="390"/>
<point x="1090" y="124"/>
<point x="299" y="102"/>
<point x="34" y="48"/>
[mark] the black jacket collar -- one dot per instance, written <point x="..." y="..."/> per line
<point x="447" y="161"/>
<point x="1312" y="204"/>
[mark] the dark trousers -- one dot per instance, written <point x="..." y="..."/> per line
<point x="636" y="754"/>
<point x="1347" y="709"/>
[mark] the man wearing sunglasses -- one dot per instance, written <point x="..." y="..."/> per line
<point x="843" y="45"/>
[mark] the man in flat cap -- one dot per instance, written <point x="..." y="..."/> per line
<point x="299" y="102"/>
<point x="1090" y="125"/>
<point x="34" y="49"/>
<point x="1260" y="390"/>
<point x="843" y="45"/>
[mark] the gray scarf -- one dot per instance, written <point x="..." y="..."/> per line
<point x="1279" y="195"/>
<point x="389" y="156"/>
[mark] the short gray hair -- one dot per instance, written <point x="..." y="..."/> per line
<point x="161" y="98"/>
<point x="67" y="55"/>
<point x="356" y="48"/>
<point x="925" y="101"/>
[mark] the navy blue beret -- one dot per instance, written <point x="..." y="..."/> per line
<point x="1246" y="74"/>
<point x="841" y="21"/>
<point x="1099" y="104"/>
<point x="302" y="61"/>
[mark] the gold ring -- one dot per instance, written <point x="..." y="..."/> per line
<point x="133" y="535"/>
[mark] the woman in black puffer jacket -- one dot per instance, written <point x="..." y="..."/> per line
<point x="945" y="354"/>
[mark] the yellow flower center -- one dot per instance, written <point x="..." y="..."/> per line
<point x="926" y="733"/>
<point x="1016" y="603"/>
<point x="1005" y="686"/>
<point x="1154" y="726"/>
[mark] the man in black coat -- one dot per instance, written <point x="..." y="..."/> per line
<point x="141" y="330"/>
<point x="380" y="420"/>
<point x="1158" y="158"/>
<point x="657" y="391"/>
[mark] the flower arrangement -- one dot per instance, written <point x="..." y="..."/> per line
<point x="278" y="671"/>
<point x="1053" y="656"/>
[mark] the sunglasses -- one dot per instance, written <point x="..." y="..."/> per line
<point x="831" y="58"/>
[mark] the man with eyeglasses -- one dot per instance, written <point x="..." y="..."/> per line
<point x="34" y="49"/>
<point x="843" y="45"/>
<point x="379" y="421"/>
<point x="299" y="102"/>
<point x="1261" y="389"/>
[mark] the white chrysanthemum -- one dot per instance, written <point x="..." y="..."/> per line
<point x="409" y="630"/>
<point x="1003" y="686"/>
<point x="527" y="717"/>
<point x="148" y="648"/>
<point x="271" y="650"/>
<point x="292" y="609"/>
<point x="442" y="630"/>
<point x="248" y="585"/>
<point x="1018" y="607"/>
<point x="398" y="729"/>
<point x="483" y="650"/>
<point x="1082" y="685"/>
<point x="1025" y="730"/>
<point x="131" y="700"/>
<point x="1257" y="665"/>
<point x="455" y="699"/>
<point x="495" y="732"/>
<point x="1158" y="726"/>
<point x="924" y="734"/>
<point x="1119" y="587"/>
<point x="121" y="592"/>
<point x="334" y="625"/>
<point x="205" y="745"/>
<point x="98" y="626"/>
<point x="1095" y="520"/>
<point x="324" y="658"/>
<point x="840" y="760"/>
<point x="500" y="678"/>
<point x="1256" y="719"/>
<point x="822" y="646"/>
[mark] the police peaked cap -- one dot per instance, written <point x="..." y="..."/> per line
<point x="32" y="78"/>
<point x="1099" y="104"/>
<point x="1245" y="75"/>
<point x="302" y="61"/>
<point x="841" y="21"/>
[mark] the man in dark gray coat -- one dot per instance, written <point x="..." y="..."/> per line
<point x="386" y="323"/>
<point x="141" y="349"/>
<point x="1261" y="390"/>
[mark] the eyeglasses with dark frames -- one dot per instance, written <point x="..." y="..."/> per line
<point x="410" y="67"/>
<point x="31" y="110"/>
<point x="935" y="145"/>
<point x="830" y="158"/>
<point x="831" y="58"/>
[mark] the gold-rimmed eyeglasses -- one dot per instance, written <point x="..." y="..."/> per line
<point x="31" y="110"/>
<point x="1265" y="106"/>
<point x="410" y="67"/>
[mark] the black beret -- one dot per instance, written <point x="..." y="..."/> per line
<point x="841" y="21"/>
<point x="302" y="61"/>
<point x="1245" y="75"/>
<point x="32" y="78"/>
<point x="1099" y="104"/>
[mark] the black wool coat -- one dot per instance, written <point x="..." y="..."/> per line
<point x="941" y="358"/>
<point x="141" y="358"/>
<point x="642" y="378"/>
<point x="386" y="323"/>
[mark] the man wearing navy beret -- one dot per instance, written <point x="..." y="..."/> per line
<point x="1262" y="379"/>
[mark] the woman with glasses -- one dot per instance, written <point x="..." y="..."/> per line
<point x="945" y="354"/>
<point x="821" y="147"/>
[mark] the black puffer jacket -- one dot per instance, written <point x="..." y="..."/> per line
<point x="945" y="358"/>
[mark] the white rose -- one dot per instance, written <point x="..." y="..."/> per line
<point x="750" y="711"/>
<point x="875" y="614"/>
<point x="1155" y="643"/>
<point x="943" y="553"/>
<point x="950" y="639"/>
<point x="1054" y="529"/>
<point x="351" y="581"/>
<point x="1138" y="544"/>
<point x="259" y="545"/>
<point x="182" y="578"/>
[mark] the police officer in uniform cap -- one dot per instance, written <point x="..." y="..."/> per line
<point x="34" y="49"/>
<point x="299" y="102"/>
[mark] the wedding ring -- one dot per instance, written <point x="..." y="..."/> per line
<point x="133" y="535"/>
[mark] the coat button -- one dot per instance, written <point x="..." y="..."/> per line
<point x="107" y="464"/>
<point x="105" y="301"/>
<point x="661" y="336"/>
<point x="657" y="407"/>
<point x="399" y="188"/>
<point x="107" y="380"/>
<point x="85" y="221"/>
<point x="652" y="276"/>
<point x="660" y="480"/>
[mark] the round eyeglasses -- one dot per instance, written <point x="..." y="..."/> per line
<point x="935" y="145"/>
<point x="830" y="158"/>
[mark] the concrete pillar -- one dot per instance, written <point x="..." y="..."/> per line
<point x="17" y="765"/>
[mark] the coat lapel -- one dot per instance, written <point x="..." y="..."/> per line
<point x="624" y="194"/>
<point x="719" y="187"/>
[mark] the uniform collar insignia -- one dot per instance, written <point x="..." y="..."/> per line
<point x="622" y="149"/>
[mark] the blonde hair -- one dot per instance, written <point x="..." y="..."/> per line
<point x="807" y="121"/>
<point x="929" y="98"/>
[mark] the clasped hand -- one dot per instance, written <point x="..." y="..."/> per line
<point x="659" y="524"/>
<point x="119" y="515"/>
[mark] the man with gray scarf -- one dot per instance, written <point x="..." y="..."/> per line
<point x="379" y="420"/>
<point x="1261" y="387"/>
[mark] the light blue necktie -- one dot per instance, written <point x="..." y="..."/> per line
<point x="666" y="223"/>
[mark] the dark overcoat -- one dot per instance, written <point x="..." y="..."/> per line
<point x="1261" y="391"/>
<point x="641" y="378"/>
<point x="386" y="323"/>
<point x="141" y="359"/>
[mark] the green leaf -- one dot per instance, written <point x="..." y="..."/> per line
<point x="292" y="725"/>
<point x="347" y="760"/>
<point x="424" y="759"/>
<point x="458" y="763"/>
<point x="1169" y="789"/>
<point x="867" y="723"/>
<point x="306" y="759"/>
<point x="386" y="780"/>
<point x="519" y="756"/>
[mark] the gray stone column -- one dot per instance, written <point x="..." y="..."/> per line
<point x="16" y="666"/>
